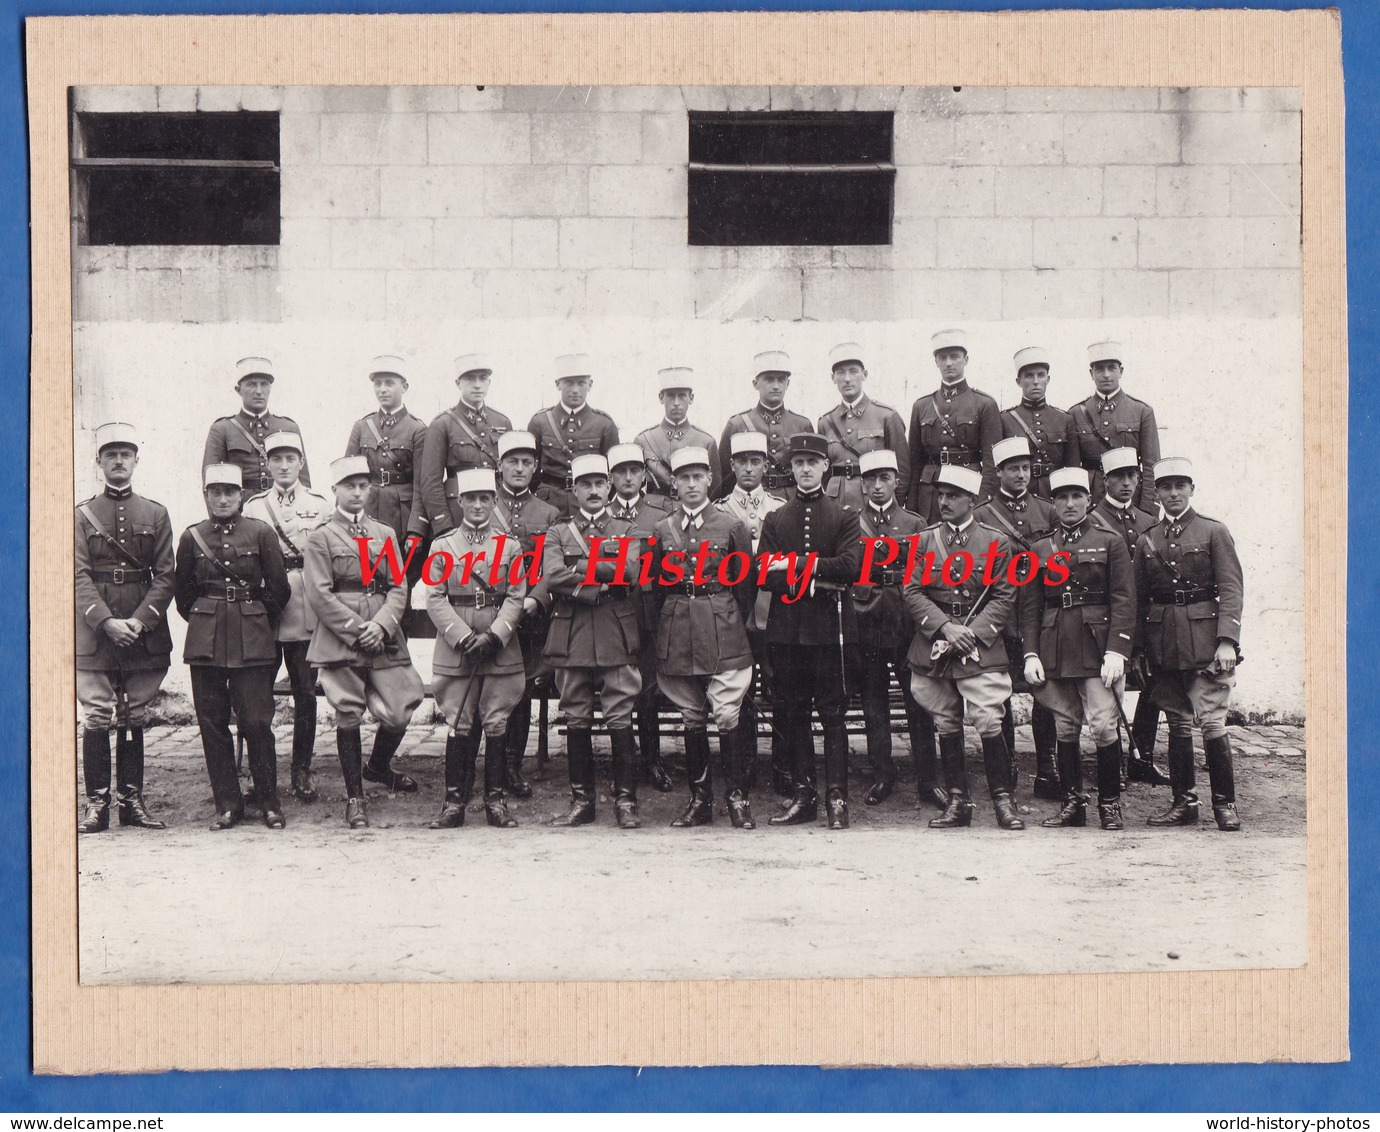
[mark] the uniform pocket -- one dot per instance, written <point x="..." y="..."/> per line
<point x="582" y="445"/>
<point x="201" y="632"/>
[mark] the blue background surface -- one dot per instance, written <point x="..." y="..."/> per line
<point x="1257" y="1089"/>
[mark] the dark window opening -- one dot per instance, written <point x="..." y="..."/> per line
<point x="772" y="178"/>
<point x="172" y="179"/>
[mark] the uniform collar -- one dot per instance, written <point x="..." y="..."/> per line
<point x="1112" y="503"/>
<point x="594" y="518"/>
<point x="247" y="415"/>
<point x="1109" y="402"/>
<point x="387" y="418"/>
<point x="1013" y="498"/>
<point x="279" y="493"/>
<point x="953" y="388"/>
<point x="569" y="412"/>
<point x="698" y="511"/>
<point x="226" y="525"/>
<point x="118" y="492"/>
<point x="963" y="526"/>
<point x="882" y="513"/>
<point x="473" y="533"/>
<point x="1183" y="519"/>
<point x="1075" y="532"/>
<point x="1034" y="406"/>
<point x="854" y="406"/>
<point x="755" y="496"/>
<point x="347" y="519"/>
<point x="520" y="496"/>
<point x="773" y="415"/>
<point x="809" y="497"/>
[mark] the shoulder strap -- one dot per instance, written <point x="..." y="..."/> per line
<point x="574" y="530"/>
<point x="555" y="432"/>
<point x="1025" y="428"/>
<point x="277" y="523"/>
<point x="1082" y="412"/>
<point x="492" y="453"/>
<point x="216" y="562"/>
<point x="90" y="517"/>
<point x="499" y="520"/>
<point x="994" y="509"/>
<point x="259" y="448"/>
<point x="378" y="436"/>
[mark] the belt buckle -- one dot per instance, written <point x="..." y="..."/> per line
<point x="569" y="481"/>
<point x="1066" y="600"/>
<point x="689" y="588"/>
<point x="383" y="479"/>
<point x="481" y="599"/>
<point x="232" y="593"/>
<point x="117" y="576"/>
<point x="1180" y="597"/>
<point x="944" y="455"/>
<point x="956" y="609"/>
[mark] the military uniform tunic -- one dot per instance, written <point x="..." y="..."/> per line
<point x="393" y="443"/>
<point x="1051" y="435"/>
<point x="561" y="436"/>
<point x="660" y="442"/>
<point x="1130" y="521"/>
<point x="956" y="424"/>
<point x="1020" y="520"/>
<point x="292" y="515"/>
<point x="239" y="440"/>
<point x="778" y="426"/>
<point x="863" y="426"/>
<point x="751" y="508"/>
<point x="1119" y="421"/>
<point x="458" y="439"/>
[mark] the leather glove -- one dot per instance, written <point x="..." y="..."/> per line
<point x="1034" y="672"/>
<point x="1113" y="668"/>
<point x="479" y="647"/>
<point x="1141" y="668"/>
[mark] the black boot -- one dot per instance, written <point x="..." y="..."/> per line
<point x="1070" y="774"/>
<point x="1184" y="810"/>
<point x="95" y="770"/>
<point x="836" y="775"/>
<point x="800" y="745"/>
<point x="733" y="747"/>
<point x="129" y="781"/>
<point x="350" y="748"/>
<point x="958" y="811"/>
<point x="700" y="811"/>
<point x="379" y="768"/>
<point x="1144" y="727"/>
<point x="579" y="757"/>
<point x="1223" y="782"/>
<point x="1047" y="773"/>
<point x="452" y="814"/>
<point x="625" y="778"/>
<point x="922" y="752"/>
<point x="996" y="760"/>
<point x="1109" y="784"/>
<point x="495" y="766"/>
<point x="303" y="745"/>
<point x="515" y="743"/>
<point x="649" y="744"/>
<point x="469" y="766"/>
<point x="879" y="758"/>
<point x="782" y="758"/>
<point x="747" y="743"/>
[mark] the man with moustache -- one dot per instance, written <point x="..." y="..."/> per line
<point x="857" y="425"/>
<point x="124" y="584"/>
<point x="1049" y="431"/>
<point x="230" y="588"/>
<point x="572" y="427"/>
<point x="676" y="394"/>
<point x="463" y="436"/>
<point x="1190" y="593"/>
<point x="770" y="418"/>
<point x="810" y="626"/>
<point x="955" y="425"/>
<point x="1112" y="418"/>
<point x="239" y="439"/>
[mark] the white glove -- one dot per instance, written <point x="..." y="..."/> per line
<point x="1034" y="672"/>
<point x="1113" y="668"/>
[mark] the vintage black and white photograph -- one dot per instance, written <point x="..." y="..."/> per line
<point x="649" y="533"/>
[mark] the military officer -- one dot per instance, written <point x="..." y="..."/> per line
<point x="857" y="425"/>
<point x="884" y="636"/>
<point x="750" y="502"/>
<point x="593" y="643"/>
<point x="1190" y="593"/>
<point x="956" y="424"/>
<point x="628" y="474"/>
<point x="239" y="439"/>
<point x="958" y="658"/>
<point x="703" y="655"/>
<point x="294" y="511"/>
<point x="393" y="440"/>
<point x="1117" y="510"/>
<point x="477" y="666"/>
<point x="522" y="516"/>
<point x="1112" y="418"/>
<point x="1077" y="635"/>
<point x="571" y="427"/>
<point x="807" y="636"/>
<point x="1022" y="517"/>
<point x="659" y="443"/>
<point x="358" y="645"/>
<point x="230" y="588"/>
<point x="1049" y="431"/>
<point x="463" y="436"/>
<point x="124" y="585"/>
<point x="770" y="418"/>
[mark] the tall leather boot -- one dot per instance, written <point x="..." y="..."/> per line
<point x="1223" y="781"/>
<point x="1145" y="727"/>
<point x="379" y="767"/>
<point x="996" y="760"/>
<point x="782" y="757"/>
<point x="129" y="781"/>
<point x="959" y="811"/>
<point x="700" y="811"/>
<point x="923" y="753"/>
<point x="625" y="778"/>
<point x="469" y="765"/>
<point x="804" y="804"/>
<point x="836" y="775"/>
<point x="515" y="743"/>
<point x="649" y="743"/>
<point x="350" y="748"/>
<point x="883" y="765"/>
<point x="495" y="766"/>
<point x="1184" y="810"/>
<point x="733" y="747"/>
<point x="95" y="773"/>
<point x="1109" y="784"/>
<point x="303" y="744"/>
<point x="579" y="757"/>
<point x="747" y="743"/>
<point x="1070" y="773"/>
<point x="452" y="814"/>
<point x="1047" y="774"/>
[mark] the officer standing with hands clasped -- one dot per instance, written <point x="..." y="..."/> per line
<point x="477" y="666"/>
<point x="124" y="584"/>
<point x="1077" y="636"/>
<point x="231" y="588"/>
<point x="1190" y="592"/>
<point x="239" y="439"/>
<point x="358" y="644"/>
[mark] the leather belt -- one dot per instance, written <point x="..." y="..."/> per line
<point x="124" y="575"/>
<point x="689" y="589"/>
<point x="293" y="561"/>
<point x="1070" y="600"/>
<point x="776" y="481"/>
<point x="954" y="608"/>
<point x="564" y="482"/>
<point x="390" y="479"/>
<point x="848" y="471"/>
<point x="231" y="593"/>
<point x="353" y="587"/>
<point x="887" y="578"/>
<point x="1191" y="595"/>
<point x="961" y="456"/>
<point x="478" y="600"/>
<point x="616" y="593"/>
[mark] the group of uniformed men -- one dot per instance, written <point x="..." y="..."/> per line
<point x="273" y="577"/>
